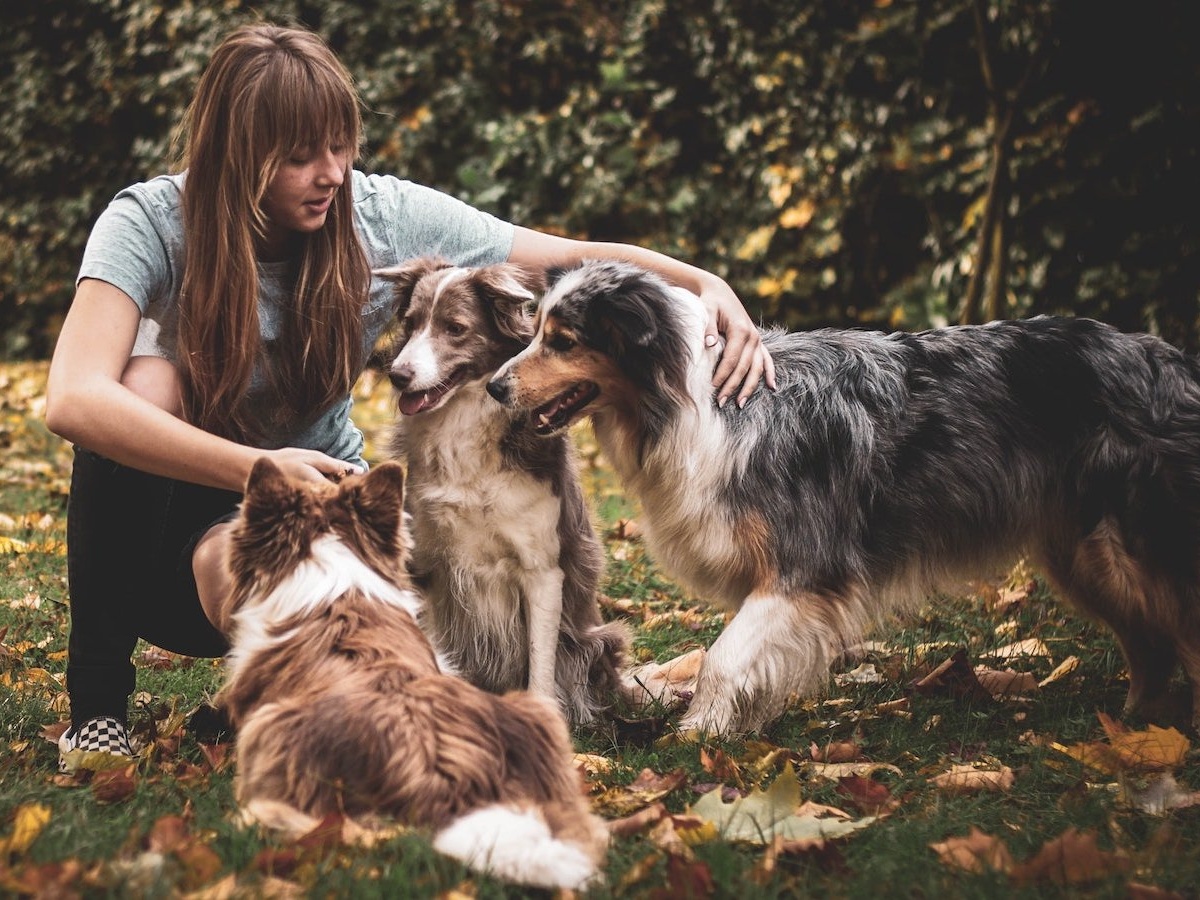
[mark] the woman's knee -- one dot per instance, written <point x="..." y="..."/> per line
<point x="155" y="379"/>
<point x="213" y="580"/>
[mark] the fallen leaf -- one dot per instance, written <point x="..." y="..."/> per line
<point x="647" y="788"/>
<point x="200" y="864"/>
<point x="1062" y="670"/>
<point x="954" y="677"/>
<point x="637" y="822"/>
<point x="761" y="816"/>
<point x="686" y="877"/>
<point x="840" y="752"/>
<point x="1153" y="749"/>
<point x="721" y="766"/>
<point x="167" y="833"/>
<point x="1072" y="858"/>
<point x="977" y="852"/>
<point x="1028" y="647"/>
<point x="1006" y="684"/>
<point x="965" y="779"/>
<point x="869" y="796"/>
<point x="28" y="822"/>
<point x="115" y="785"/>
<point x="866" y="673"/>
<point x="834" y="771"/>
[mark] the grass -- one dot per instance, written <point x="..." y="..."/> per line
<point x="106" y="837"/>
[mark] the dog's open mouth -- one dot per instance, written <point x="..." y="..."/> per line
<point x="558" y="413"/>
<point x="413" y="402"/>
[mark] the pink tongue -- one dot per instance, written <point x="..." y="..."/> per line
<point x="418" y="401"/>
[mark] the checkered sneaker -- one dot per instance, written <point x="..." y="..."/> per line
<point x="103" y="734"/>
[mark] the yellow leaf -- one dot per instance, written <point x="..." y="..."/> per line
<point x="12" y="545"/>
<point x="1062" y="670"/>
<point x="28" y="824"/>
<point x="756" y="243"/>
<point x="1154" y="748"/>
<point x="799" y="215"/>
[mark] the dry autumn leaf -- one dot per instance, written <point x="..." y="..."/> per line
<point x="1154" y="749"/>
<point x="761" y="816"/>
<point x="975" y="853"/>
<point x="954" y="677"/>
<point x="966" y="779"/>
<point x="1062" y="670"/>
<point x="1072" y="858"/>
<point x="1006" y="684"/>
<point x="647" y="788"/>
<point x="115" y="785"/>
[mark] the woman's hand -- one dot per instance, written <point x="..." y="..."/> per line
<point x="744" y="359"/>
<point x="311" y="465"/>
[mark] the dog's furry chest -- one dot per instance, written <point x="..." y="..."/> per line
<point x="473" y="508"/>
<point x="679" y="483"/>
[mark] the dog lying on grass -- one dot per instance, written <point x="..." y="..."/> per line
<point x="883" y="466"/>
<point x="340" y="705"/>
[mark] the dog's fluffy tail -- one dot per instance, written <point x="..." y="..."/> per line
<point x="517" y="845"/>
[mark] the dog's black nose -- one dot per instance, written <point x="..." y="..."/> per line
<point x="498" y="389"/>
<point x="400" y="376"/>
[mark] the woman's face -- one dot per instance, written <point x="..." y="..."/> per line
<point x="299" y="196"/>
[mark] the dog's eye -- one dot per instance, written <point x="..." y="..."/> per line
<point x="559" y="342"/>
<point x="456" y="329"/>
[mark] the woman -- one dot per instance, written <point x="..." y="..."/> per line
<point x="172" y="378"/>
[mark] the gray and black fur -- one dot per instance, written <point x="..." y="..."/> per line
<point x="886" y="463"/>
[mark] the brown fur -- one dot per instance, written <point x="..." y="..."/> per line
<point x="347" y="711"/>
<point x="505" y="550"/>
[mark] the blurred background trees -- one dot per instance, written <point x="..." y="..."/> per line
<point x="882" y="163"/>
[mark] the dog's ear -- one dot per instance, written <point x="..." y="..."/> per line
<point x="405" y="276"/>
<point x="626" y="317"/>
<point x="511" y="292"/>
<point x="379" y="499"/>
<point x="266" y="487"/>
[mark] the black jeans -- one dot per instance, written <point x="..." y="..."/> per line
<point x="130" y="538"/>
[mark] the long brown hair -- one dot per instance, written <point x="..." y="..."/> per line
<point x="267" y="92"/>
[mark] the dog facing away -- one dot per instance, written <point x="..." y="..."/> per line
<point x="340" y="705"/>
<point x="504" y="547"/>
<point x="883" y="466"/>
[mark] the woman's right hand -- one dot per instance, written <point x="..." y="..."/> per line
<point x="311" y="465"/>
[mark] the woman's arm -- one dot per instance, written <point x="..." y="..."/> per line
<point x="88" y="403"/>
<point x="744" y="360"/>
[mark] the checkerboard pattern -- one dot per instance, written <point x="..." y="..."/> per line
<point x="103" y="734"/>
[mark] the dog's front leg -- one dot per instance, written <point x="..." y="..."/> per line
<point x="774" y="647"/>
<point x="543" y="604"/>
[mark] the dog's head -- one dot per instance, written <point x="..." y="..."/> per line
<point x="456" y="325"/>
<point x="281" y="518"/>
<point x="608" y="335"/>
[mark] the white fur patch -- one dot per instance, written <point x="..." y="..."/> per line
<point x="332" y="570"/>
<point x="517" y="846"/>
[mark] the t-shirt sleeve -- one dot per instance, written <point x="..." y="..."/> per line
<point x="127" y="251"/>
<point x="403" y="220"/>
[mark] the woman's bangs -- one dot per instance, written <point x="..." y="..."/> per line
<point x="316" y="110"/>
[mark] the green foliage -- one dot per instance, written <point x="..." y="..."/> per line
<point x="830" y="160"/>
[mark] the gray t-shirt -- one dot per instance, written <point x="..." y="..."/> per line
<point x="137" y="245"/>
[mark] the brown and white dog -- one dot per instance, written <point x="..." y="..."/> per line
<point x="340" y="705"/>
<point x="882" y="466"/>
<point x="504" y="551"/>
